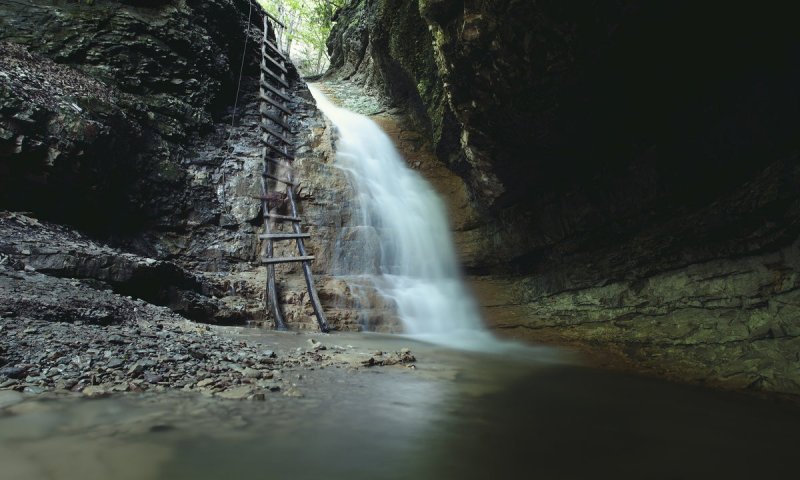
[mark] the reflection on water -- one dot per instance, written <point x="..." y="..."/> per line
<point x="458" y="415"/>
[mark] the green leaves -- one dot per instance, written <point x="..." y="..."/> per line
<point x="308" y="24"/>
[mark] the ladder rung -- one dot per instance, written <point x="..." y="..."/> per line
<point x="268" y="198"/>
<point x="278" y="179"/>
<point x="275" y="134"/>
<point x="273" y="62"/>
<point x="275" y="103"/>
<point x="283" y="236"/>
<point x="276" y="148"/>
<point x="283" y="217"/>
<point x="271" y="17"/>
<point x="275" y="90"/>
<point x="275" y="77"/>
<point x="277" y="120"/>
<point x="272" y="260"/>
<point x="274" y="48"/>
<point x="279" y="162"/>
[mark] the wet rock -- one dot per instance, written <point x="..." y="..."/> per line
<point x="15" y="373"/>
<point x="236" y="393"/>
<point x="95" y="391"/>
<point x="293" y="391"/>
<point x="402" y="357"/>
<point x="115" y="362"/>
<point x="680" y="288"/>
<point x="370" y="362"/>
<point x="152" y="378"/>
<point x="205" y="382"/>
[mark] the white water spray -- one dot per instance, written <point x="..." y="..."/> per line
<point x="404" y="245"/>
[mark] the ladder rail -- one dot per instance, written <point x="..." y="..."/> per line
<point x="322" y="321"/>
<point x="280" y="119"/>
<point x="272" y="287"/>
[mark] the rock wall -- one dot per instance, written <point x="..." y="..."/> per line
<point x="632" y="168"/>
<point x="116" y="121"/>
<point x="101" y="100"/>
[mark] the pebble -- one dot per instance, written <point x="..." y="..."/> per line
<point x="98" y="360"/>
<point x="115" y="362"/>
<point x="152" y="378"/>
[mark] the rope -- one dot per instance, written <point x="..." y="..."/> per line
<point x="238" y="90"/>
<point x="241" y="67"/>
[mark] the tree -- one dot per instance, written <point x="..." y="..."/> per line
<point x="308" y="24"/>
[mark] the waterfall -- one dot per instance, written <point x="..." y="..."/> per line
<point x="399" y="240"/>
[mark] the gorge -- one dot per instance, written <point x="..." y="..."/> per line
<point x="570" y="229"/>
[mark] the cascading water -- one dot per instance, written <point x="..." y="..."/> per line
<point x="402" y="237"/>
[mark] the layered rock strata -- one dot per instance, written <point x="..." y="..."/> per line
<point x="117" y="120"/>
<point x="632" y="168"/>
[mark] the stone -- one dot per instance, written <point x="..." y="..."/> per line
<point x="15" y="373"/>
<point x="293" y="392"/>
<point x="236" y="393"/>
<point x="95" y="391"/>
<point x="151" y="377"/>
<point x="115" y="362"/>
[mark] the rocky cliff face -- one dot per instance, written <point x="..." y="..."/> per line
<point x="101" y="100"/>
<point x="632" y="168"/>
<point x="116" y="121"/>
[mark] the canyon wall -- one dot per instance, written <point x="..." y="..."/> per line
<point x="127" y="172"/>
<point x="632" y="168"/>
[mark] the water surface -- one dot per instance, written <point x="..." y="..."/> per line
<point x="459" y="414"/>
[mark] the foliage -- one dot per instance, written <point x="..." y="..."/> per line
<point x="308" y="23"/>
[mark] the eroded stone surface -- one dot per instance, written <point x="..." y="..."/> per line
<point x="619" y="204"/>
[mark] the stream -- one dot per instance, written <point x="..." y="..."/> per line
<point x="459" y="414"/>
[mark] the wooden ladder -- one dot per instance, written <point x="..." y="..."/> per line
<point x="275" y="139"/>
